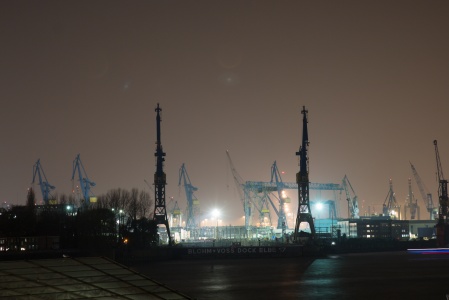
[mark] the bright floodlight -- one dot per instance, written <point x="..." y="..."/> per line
<point x="215" y="213"/>
<point x="319" y="206"/>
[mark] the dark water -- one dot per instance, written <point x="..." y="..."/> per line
<point x="392" y="275"/>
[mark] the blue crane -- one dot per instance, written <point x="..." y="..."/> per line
<point x="353" y="204"/>
<point x="85" y="182"/>
<point x="282" y="219"/>
<point x="192" y="201"/>
<point x="43" y="182"/>
<point x="425" y="194"/>
<point x="243" y="190"/>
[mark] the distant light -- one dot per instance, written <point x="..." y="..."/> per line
<point x="215" y="213"/>
<point x="319" y="206"/>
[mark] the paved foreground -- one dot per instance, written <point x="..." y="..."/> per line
<point x="392" y="275"/>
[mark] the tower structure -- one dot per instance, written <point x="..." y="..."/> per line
<point x="442" y="226"/>
<point x="160" y="210"/>
<point x="302" y="178"/>
<point x="391" y="208"/>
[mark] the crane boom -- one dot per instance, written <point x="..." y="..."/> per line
<point x="43" y="182"/>
<point x="276" y="176"/>
<point x="353" y="204"/>
<point x="243" y="192"/>
<point x="85" y="182"/>
<point x="425" y="194"/>
<point x="442" y="225"/>
<point x="192" y="201"/>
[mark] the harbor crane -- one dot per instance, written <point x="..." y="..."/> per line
<point x="243" y="193"/>
<point x="276" y="176"/>
<point x="302" y="178"/>
<point x="425" y="194"/>
<point x="442" y="225"/>
<point x="411" y="203"/>
<point x="192" y="201"/>
<point x="160" y="180"/>
<point x="85" y="182"/>
<point x="46" y="187"/>
<point x="351" y="197"/>
<point x="391" y="207"/>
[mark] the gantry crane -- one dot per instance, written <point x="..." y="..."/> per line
<point x="353" y="204"/>
<point x="259" y="192"/>
<point x="411" y="203"/>
<point x="85" y="182"/>
<point x="46" y="187"/>
<point x="160" y="180"/>
<point x="442" y="225"/>
<point x="302" y="178"/>
<point x="391" y="207"/>
<point x="425" y="194"/>
<point x="192" y="201"/>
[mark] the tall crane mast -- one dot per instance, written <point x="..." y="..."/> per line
<point x="425" y="194"/>
<point x="302" y="178"/>
<point x="192" y="201"/>
<point x="276" y="176"/>
<point x="353" y="204"/>
<point x="160" y="180"/>
<point x="442" y="225"/>
<point x="43" y="182"/>
<point x="85" y="182"/>
<point x="391" y="207"/>
<point x="411" y="203"/>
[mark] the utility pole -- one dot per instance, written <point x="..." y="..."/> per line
<point x="302" y="178"/>
<point x="160" y="211"/>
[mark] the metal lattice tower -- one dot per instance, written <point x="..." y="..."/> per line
<point x="160" y="181"/>
<point x="302" y="178"/>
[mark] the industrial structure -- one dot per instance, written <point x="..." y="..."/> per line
<point x="192" y="202"/>
<point x="391" y="207"/>
<point x="425" y="194"/>
<point x="45" y="186"/>
<point x="302" y="178"/>
<point x="160" y="210"/>
<point x="85" y="184"/>
<point x="351" y="197"/>
<point x="442" y="225"/>
<point x="411" y="203"/>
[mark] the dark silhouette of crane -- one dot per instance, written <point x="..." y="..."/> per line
<point x="160" y="180"/>
<point x="425" y="194"/>
<point x="302" y="178"/>
<point x="442" y="225"/>
<point x="192" y="201"/>
<point x="46" y="187"/>
<point x="85" y="182"/>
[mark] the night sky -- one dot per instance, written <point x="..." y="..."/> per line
<point x="85" y="77"/>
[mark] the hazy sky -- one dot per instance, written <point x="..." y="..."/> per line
<point x="85" y="77"/>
